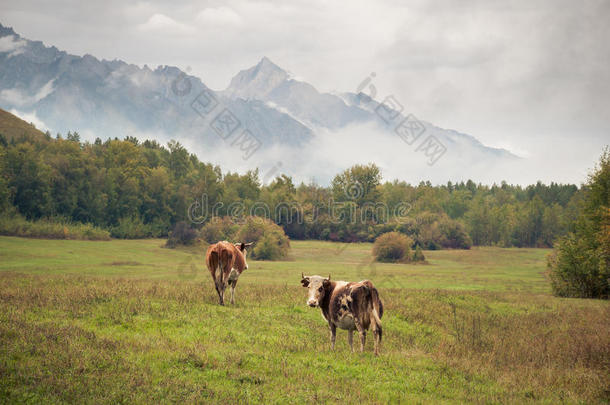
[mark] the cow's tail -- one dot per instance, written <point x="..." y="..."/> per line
<point x="217" y="264"/>
<point x="214" y="263"/>
<point x="377" y="311"/>
<point x="376" y="307"/>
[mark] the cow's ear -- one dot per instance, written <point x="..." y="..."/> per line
<point x="242" y="246"/>
<point x="326" y="281"/>
<point x="304" y="280"/>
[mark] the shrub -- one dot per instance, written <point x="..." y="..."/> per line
<point x="580" y="264"/>
<point x="577" y="269"/>
<point x="12" y="224"/>
<point x="270" y="241"/>
<point x="268" y="247"/>
<point x="219" y="229"/>
<point x="454" y="235"/>
<point x="181" y="234"/>
<point x="251" y="230"/>
<point x="392" y="247"/>
<point x="438" y="231"/>
<point x="134" y="228"/>
<point x="418" y="255"/>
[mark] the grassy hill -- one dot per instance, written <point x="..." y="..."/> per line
<point x="12" y="126"/>
<point x="127" y="321"/>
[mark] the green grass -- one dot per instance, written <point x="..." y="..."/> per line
<point x="491" y="269"/>
<point x="130" y="321"/>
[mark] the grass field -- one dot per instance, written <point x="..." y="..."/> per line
<point x="130" y="321"/>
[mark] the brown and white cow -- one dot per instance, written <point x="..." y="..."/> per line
<point x="345" y="305"/>
<point x="226" y="261"/>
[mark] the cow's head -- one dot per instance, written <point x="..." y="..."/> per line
<point x="243" y="248"/>
<point x="318" y="288"/>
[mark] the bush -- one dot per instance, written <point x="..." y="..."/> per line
<point x="438" y="231"/>
<point x="454" y="235"/>
<point x="392" y="247"/>
<point x="577" y="270"/>
<point x="50" y="228"/>
<point x="252" y="229"/>
<point x="418" y="256"/>
<point x="182" y="234"/>
<point x="580" y="264"/>
<point x="268" y="247"/>
<point x="134" y="228"/>
<point x="219" y="229"/>
<point x="270" y="241"/>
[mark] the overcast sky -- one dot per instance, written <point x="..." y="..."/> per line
<point x="531" y="76"/>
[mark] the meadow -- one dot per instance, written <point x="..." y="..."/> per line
<point x="128" y="321"/>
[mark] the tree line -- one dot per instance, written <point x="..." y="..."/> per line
<point x="143" y="189"/>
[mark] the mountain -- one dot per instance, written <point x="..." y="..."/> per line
<point x="268" y="82"/>
<point x="265" y="114"/>
<point x="112" y="98"/>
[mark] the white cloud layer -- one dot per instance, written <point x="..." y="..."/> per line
<point x="161" y="24"/>
<point x="32" y="118"/>
<point x="332" y="152"/>
<point x="11" y="45"/>
<point x="218" y="16"/>
<point x="21" y="97"/>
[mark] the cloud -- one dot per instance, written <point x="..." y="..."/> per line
<point x="32" y="118"/>
<point x="21" y="97"/>
<point x="160" y="23"/>
<point x="12" y="45"/>
<point x="218" y="16"/>
<point x="12" y="96"/>
<point x="331" y="152"/>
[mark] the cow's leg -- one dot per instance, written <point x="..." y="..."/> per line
<point x="350" y="339"/>
<point x="224" y="278"/>
<point x="333" y="335"/>
<point x="232" y="284"/>
<point x="219" y="284"/>
<point x="221" y="294"/>
<point x="220" y="288"/>
<point x="361" y="333"/>
<point x="377" y="335"/>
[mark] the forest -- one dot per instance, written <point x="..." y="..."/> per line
<point x="137" y="189"/>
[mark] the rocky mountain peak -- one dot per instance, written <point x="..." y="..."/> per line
<point x="257" y="81"/>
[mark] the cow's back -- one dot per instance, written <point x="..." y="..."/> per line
<point x="375" y="300"/>
<point x="356" y="299"/>
<point x="221" y="256"/>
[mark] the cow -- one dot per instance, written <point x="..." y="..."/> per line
<point x="226" y="261"/>
<point x="345" y="305"/>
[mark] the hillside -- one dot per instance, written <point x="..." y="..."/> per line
<point x="12" y="126"/>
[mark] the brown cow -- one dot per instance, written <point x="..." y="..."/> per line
<point x="350" y="306"/>
<point x="226" y="261"/>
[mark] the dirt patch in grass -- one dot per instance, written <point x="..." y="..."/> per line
<point x="125" y="263"/>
